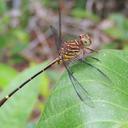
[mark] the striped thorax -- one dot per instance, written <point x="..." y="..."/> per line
<point x="74" y="48"/>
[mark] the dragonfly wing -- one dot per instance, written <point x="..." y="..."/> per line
<point x="79" y="89"/>
<point x="55" y="34"/>
<point x="60" y="33"/>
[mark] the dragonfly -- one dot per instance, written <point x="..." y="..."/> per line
<point x="68" y="51"/>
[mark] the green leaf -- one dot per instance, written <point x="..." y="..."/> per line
<point x="119" y="30"/>
<point x="6" y="74"/>
<point x="16" y="111"/>
<point x="3" y="7"/>
<point x="110" y="96"/>
<point x="79" y="13"/>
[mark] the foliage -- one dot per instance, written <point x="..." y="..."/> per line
<point x="22" y="29"/>
<point x="17" y="111"/>
<point x="7" y="73"/>
<point x="65" y="110"/>
<point x="109" y="96"/>
<point x="79" y="13"/>
<point x="120" y="31"/>
<point x="3" y="7"/>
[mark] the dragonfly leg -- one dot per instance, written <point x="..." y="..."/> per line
<point x="85" y="62"/>
<point x="94" y="58"/>
<point x="92" y="50"/>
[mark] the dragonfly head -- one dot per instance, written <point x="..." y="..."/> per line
<point x="85" y="39"/>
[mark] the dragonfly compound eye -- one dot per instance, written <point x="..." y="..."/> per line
<point x="85" y="39"/>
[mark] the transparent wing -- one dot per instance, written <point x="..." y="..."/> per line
<point x="60" y="35"/>
<point x="57" y="34"/>
<point x="79" y="89"/>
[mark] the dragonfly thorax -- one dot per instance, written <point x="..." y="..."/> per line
<point x="74" y="49"/>
<point x="70" y="51"/>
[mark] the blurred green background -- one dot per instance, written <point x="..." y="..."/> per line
<point x="26" y="39"/>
